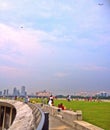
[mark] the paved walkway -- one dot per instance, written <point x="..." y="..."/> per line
<point x="57" y="124"/>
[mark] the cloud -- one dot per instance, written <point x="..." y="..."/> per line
<point x="27" y="40"/>
<point x="12" y="72"/>
<point x="17" y="44"/>
<point x="4" y="5"/>
<point x="95" y="68"/>
<point x="27" y="47"/>
<point x="61" y="74"/>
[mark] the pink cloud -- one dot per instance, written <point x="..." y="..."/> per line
<point x="23" y="39"/>
<point x="5" y="5"/>
<point x="61" y="74"/>
<point x="11" y="72"/>
<point x="23" y="43"/>
<point x="95" y="68"/>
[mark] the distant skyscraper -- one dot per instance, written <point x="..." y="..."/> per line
<point x="0" y="93"/>
<point x="7" y="92"/>
<point x="18" y="92"/>
<point x="15" y="92"/>
<point x="103" y="94"/>
<point x="4" y="92"/>
<point x="23" y="91"/>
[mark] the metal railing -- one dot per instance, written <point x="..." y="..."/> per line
<point x="41" y="118"/>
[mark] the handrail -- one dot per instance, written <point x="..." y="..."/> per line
<point x="41" y="124"/>
<point x="42" y="121"/>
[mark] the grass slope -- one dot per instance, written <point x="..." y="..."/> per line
<point x="97" y="113"/>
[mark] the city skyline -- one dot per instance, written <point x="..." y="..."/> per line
<point x="60" y="46"/>
<point x="22" y="91"/>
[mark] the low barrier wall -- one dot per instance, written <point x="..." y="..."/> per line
<point x="7" y="115"/>
<point x="71" y="118"/>
<point x="23" y="118"/>
<point x="27" y="116"/>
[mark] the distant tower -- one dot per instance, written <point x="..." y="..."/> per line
<point x="0" y="93"/>
<point x="7" y="92"/>
<point x="4" y="93"/>
<point x="15" y="92"/>
<point x="23" y="91"/>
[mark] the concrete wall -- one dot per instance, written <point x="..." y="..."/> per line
<point x="24" y="117"/>
<point x="7" y="115"/>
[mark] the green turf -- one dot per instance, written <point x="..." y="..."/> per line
<point x="97" y="113"/>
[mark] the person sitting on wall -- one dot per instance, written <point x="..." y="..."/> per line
<point x="50" y="102"/>
<point x="52" y="99"/>
<point x="61" y="106"/>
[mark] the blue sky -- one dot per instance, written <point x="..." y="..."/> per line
<point x="55" y="45"/>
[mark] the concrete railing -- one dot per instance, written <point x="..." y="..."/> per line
<point x="7" y="115"/>
<point x="24" y="117"/>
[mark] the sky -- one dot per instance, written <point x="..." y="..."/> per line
<point x="55" y="45"/>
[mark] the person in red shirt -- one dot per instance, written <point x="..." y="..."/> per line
<point x="61" y="106"/>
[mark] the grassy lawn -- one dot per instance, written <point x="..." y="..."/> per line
<point x="97" y="113"/>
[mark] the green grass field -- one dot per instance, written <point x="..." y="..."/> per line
<point x="97" y="113"/>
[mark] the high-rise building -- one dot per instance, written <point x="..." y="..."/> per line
<point x="102" y="94"/>
<point x="0" y="93"/>
<point x="4" y="92"/>
<point x="15" y="92"/>
<point x="23" y="91"/>
<point x="7" y="92"/>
